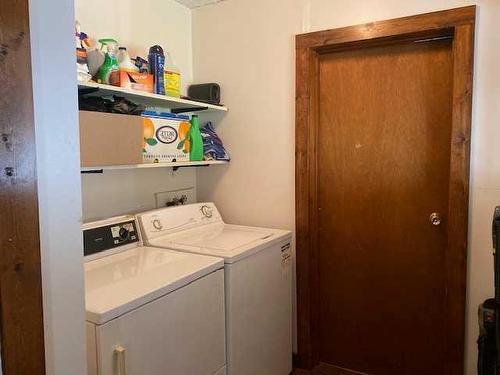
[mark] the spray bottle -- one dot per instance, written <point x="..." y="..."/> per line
<point x="109" y="71"/>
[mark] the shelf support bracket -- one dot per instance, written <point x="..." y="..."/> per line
<point x="175" y="168"/>
<point x="188" y="109"/>
<point x="93" y="171"/>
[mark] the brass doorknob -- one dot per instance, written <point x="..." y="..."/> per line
<point x="435" y="218"/>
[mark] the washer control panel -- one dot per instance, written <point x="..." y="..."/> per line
<point x="108" y="237"/>
<point x="207" y="211"/>
<point x="173" y="219"/>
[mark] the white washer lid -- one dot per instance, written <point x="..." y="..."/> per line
<point x="231" y="242"/>
<point x="119" y="283"/>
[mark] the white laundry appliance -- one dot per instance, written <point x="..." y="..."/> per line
<point x="150" y="311"/>
<point x="257" y="280"/>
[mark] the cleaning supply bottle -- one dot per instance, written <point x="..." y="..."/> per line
<point x="196" y="153"/>
<point x="109" y="71"/>
<point x="124" y="61"/>
<point x="82" y="66"/>
<point x="156" y="64"/>
<point x="172" y="77"/>
<point x="95" y="59"/>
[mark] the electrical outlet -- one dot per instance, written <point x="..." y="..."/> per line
<point x="175" y="197"/>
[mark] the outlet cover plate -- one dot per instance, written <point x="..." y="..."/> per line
<point x="187" y="195"/>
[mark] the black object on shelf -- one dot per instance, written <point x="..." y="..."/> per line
<point x="117" y="105"/>
<point x="206" y="93"/>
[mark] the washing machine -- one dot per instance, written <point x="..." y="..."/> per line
<point x="257" y="281"/>
<point x="148" y="310"/>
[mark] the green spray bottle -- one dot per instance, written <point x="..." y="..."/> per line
<point x="196" y="153"/>
<point x="109" y="72"/>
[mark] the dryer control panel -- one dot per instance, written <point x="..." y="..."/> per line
<point x="110" y="236"/>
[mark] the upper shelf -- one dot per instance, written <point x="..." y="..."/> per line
<point x="152" y="100"/>
<point x="174" y="165"/>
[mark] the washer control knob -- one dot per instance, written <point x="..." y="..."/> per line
<point x="206" y="211"/>
<point x="157" y="224"/>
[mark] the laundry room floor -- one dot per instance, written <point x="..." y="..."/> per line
<point x="324" y="369"/>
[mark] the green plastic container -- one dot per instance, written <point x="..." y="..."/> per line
<point x="196" y="153"/>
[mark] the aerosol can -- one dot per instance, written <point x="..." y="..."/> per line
<point x="156" y="60"/>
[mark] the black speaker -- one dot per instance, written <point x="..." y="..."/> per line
<point x="206" y="92"/>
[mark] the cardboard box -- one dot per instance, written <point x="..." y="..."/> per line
<point x="137" y="81"/>
<point x="110" y="139"/>
<point x="166" y="138"/>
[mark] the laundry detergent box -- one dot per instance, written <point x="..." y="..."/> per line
<point x="165" y="137"/>
<point x="137" y="81"/>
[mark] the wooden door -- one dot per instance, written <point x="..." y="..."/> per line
<point x="383" y="169"/>
<point x="382" y="138"/>
<point x="21" y="321"/>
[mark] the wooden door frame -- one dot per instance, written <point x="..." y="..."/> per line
<point x="21" y="317"/>
<point x="458" y="24"/>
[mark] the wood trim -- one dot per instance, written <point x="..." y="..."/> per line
<point x="394" y="28"/>
<point x="456" y="258"/>
<point x="302" y="186"/>
<point x="457" y="23"/>
<point x="21" y="320"/>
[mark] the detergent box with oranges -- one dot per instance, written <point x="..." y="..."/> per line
<point x="165" y="137"/>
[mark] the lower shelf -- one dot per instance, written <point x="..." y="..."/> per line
<point x="175" y="165"/>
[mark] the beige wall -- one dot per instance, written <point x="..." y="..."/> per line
<point x="248" y="47"/>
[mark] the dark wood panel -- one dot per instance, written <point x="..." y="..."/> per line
<point x="20" y="274"/>
<point x="384" y="165"/>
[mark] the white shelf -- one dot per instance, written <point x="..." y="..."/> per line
<point x="155" y="165"/>
<point x="151" y="100"/>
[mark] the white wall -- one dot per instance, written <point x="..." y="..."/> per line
<point x="122" y="192"/>
<point x="140" y="25"/>
<point x="58" y="160"/>
<point x="248" y="46"/>
<point x="137" y="27"/>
